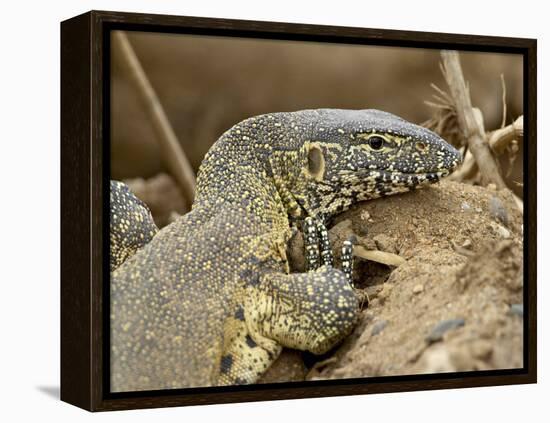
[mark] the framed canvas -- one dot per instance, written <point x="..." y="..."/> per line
<point x="229" y="229"/>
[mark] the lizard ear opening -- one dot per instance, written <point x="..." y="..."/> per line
<point x="315" y="162"/>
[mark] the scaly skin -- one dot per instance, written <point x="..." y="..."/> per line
<point x="131" y="226"/>
<point x="210" y="301"/>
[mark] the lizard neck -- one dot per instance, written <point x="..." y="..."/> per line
<point x="284" y="177"/>
<point x="235" y="172"/>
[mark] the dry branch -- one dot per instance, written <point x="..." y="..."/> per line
<point x="501" y="138"/>
<point x="498" y="141"/>
<point x="389" y="259"/>
<point x="470" y="121"/>
<point x="503" y="83"/>
<point x="172" y="153"/>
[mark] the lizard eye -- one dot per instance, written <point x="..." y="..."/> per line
<point x="376" y="142"/>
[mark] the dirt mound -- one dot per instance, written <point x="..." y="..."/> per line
<point x="455" y="304"/>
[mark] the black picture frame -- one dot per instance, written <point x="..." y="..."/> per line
<point x="85" y="61"/>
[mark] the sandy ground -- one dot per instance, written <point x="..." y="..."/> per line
<point x="455" y="304"/>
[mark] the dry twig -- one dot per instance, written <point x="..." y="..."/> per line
<point x="503" y="83"/>
<point x="470" y="121"/>
<point x="501" y="138"/>
<point x="389" y="259"/>
<point x="172" y="153"/>
<point x="498" y="141"/>
<point x="444" y="120"/>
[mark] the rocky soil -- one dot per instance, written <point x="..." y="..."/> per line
<point x="454" y="304"/>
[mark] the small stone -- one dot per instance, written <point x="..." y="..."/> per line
<point x="379" y="327"/>
<point x="374" y="302"/>
<point x="443" y="327"/>
<point x="467" y="244"/>
<point x="516" y="309"/>
<point x="289" y="366"/>
<point x="465" y="206"/>
<point x="365" y="215"/>
<point x="368" y="243"/>
<point x="482" y="349"/>
<point x="437" y="360"/>
<point x="492" y="187"/>
<point x="418" y="289"/>
<point x="385" y="292"/>
<point x="385" y="243"/>
<point x="501" y="230"/>
<point x="342" y="227"/>
<point x="498" y="210"/>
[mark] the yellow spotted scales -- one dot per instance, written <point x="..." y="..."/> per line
<point x="210" y="300"/>
<point x="131" y="224"/>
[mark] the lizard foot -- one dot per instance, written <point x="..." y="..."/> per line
<point x="318" y="251"/>
<point x="309" y="311"/>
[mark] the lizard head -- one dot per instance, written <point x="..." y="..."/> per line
<point x="356" y="155"/>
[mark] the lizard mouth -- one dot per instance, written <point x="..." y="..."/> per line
<point x="416" y="178"/>
<point x="409" y="179"/>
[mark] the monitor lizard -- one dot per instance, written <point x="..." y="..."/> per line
<point x="210" y="300"/>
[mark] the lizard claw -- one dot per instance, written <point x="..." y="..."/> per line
<point x="318" y="251"/>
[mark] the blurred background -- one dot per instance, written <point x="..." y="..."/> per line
<point x="207" y="84"/>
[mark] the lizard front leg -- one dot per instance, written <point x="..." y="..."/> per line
<point x="318" y="250"/>
<point x="247" y="355"/>
<point x="310" y="311"/>
<point x="311" y="244"/>
<point x="327" y="257"/>
<point x="347" y="260"/>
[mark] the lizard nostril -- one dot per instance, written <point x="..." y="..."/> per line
<point x="420" y="146"/>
